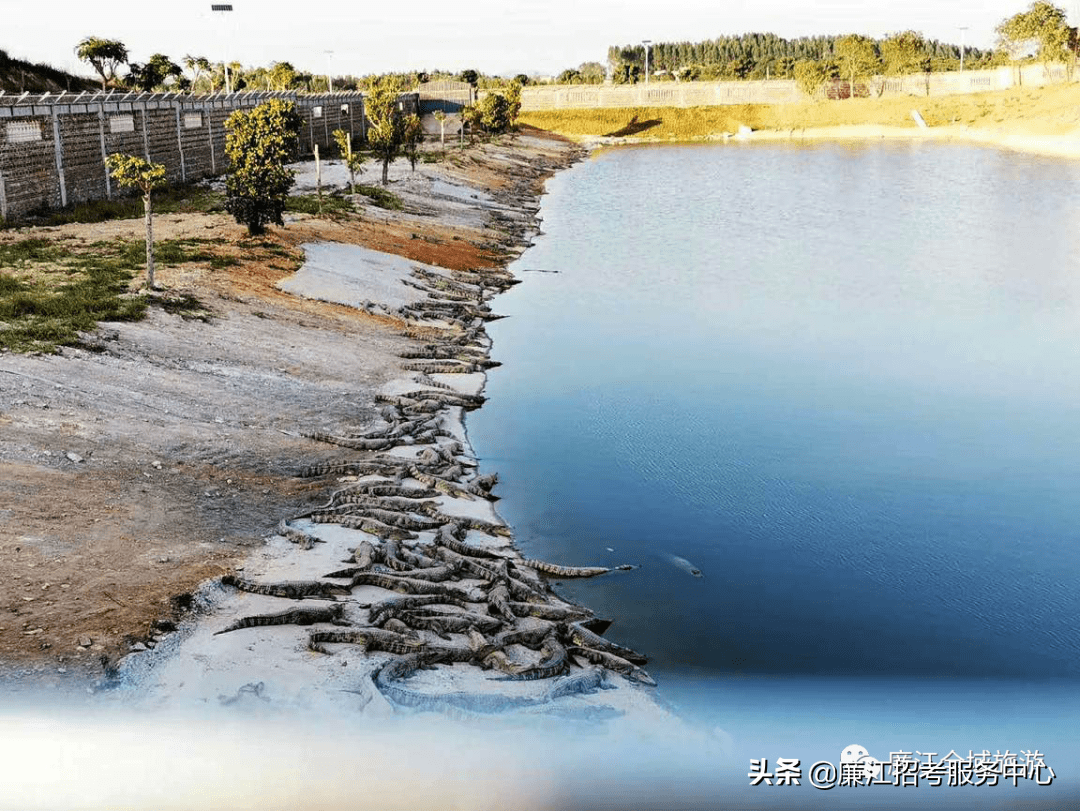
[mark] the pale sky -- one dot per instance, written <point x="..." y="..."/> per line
<point x="493" y="36"/>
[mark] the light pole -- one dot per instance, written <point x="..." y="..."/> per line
<point x="646" y="43"/>
<point x="329" y="78"/>
<point x="963" y="32"/>
<point x="222" y="8"/>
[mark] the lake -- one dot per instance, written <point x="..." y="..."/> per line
<point x="843" y="382"/>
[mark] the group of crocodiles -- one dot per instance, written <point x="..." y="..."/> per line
<point x="448" y="600"/>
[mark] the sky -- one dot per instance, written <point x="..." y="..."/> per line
<point x="505" y="37"/>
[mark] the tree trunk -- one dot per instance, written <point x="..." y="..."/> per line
<point x="386" y="171"/>
<point x="149" y="242"/>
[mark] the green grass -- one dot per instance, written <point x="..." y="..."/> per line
<point x="381" y="197"/>
<point x="180" y="199"/>
<point x="52" y="294"/>
<point x="332" y="204"/>
<point x="49" y="293"/>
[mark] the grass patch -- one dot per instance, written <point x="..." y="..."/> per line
<point x="181" y="199"/>
<point x="1053" y="108"/>
<point x="332" y="205"/>
<point x="381" y="197"/>
<point x="46" y="304"/>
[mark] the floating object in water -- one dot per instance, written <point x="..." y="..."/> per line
<point x="685" y="565"/>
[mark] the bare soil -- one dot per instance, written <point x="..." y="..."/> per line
<point x="161" y="452"/>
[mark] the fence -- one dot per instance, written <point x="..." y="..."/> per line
<point x="447" y="96"/>
<point x="779" y="91"/>
<point x="53" y="147"/>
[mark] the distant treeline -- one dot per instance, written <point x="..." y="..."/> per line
<point x="761" y="56"/>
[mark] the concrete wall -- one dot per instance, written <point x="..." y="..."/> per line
<point x="778" y="91"/>
<point x="53" y="147"/>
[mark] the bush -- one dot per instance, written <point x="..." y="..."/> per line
<point x="259" y="143"/>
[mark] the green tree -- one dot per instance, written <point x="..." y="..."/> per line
<point x="353" y="160"/>
<point x="198" y="65"/>
<point x="259" y="142"/>
<point x="155" y="73"/>
<point x="513" y="101"/>
<point x="440" y="116"/>
<point x="494" y="110"/>
<point x="857" y="57"/>
<point x="104" y="55"/>
<point x="592" y="72"/>
<point x="386" y="135"/>
<point x="471" y="118"/>
<point x="1044" y="24"/>
<point x="569" y="76"/>
<point x="470" y="76"/>
<point x="282" y="76"/>
<point x="810" y="75"/>
<point x="134" y="172"/>
<point x="412" y="135"/>
<point x="904" y="54"/>
<point x="522" y="79"/>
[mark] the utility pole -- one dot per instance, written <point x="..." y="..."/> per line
<point x="963" y="32"/>
<point x="222" y="8"/>
<point x="329" y="74"/>
<point x="646" y="43"/>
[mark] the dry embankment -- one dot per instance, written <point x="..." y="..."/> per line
<point x="1045" y="119"/>
<point x="160" y="452"/>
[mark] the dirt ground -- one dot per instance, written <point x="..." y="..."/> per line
<point x="162" y="451"/>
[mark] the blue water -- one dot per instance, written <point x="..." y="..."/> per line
<point x="841" y="381"/>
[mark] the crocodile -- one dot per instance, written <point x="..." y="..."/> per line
<point x="441" y="485"/>
<point x="498" y="600"/>
<point x="442" y="367"/>
<point x="345" y="442"/>
<point x="345" y="468"/>
<point x="616" y="664"/>
<point x="482" y="485"/>
<point x="408" y="585"/>
<point x="454" y="545"/>
<point x="469" y="522"/>
<point x="294" y="535"/>
<point x="368" y="525"/>
<point x="365" y="555"/>
<point x="294" y="616"/>
<point x="383" y="489"/>
<point x="552" y="664"/>
<point x="293" y="590"/>
<point x="435" y="574"/>
<point x="384" y="609"/>
<point x="588" y="681"/>
<point x="453" y="623"/>
<point x="399" y="519"/>
<point x="566" y="571"/>
<point x="582" y="636"/>
<point x="369" y="639"/>
<point x="548" y="611"/>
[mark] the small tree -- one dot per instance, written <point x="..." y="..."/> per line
<point x="440" y="116"/>
<point x="104" y="55"/>
<point x="513" y="101"/>
<point x="386" y="135"/>
<point x="353" y="160"/>
<point x="258" y="143"/>
<point x="906" y="53"/>
<point x="471" y="117"/>
<point x="412" y="135"/>
<point x="494" y="112"/>
<point x="134" y="172"/>
<point x="809" y="76"/>
<point x="155" y="73"/>
<point x="857" y="57"/>
<point x="198" y="65"/>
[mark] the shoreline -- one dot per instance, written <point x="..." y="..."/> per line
<point x="190" y="664"/>
<point x="1059" y="146"/>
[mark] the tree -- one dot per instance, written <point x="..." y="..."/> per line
<point x="282" y="76"/>
<point x="1045" y="25"/>
<point x="905" y="53"/>
<point x="198" y="65"/>
<point x="857" y="57"/>
<point x="471" y="117"/>
<point x="259" y="142"/>
<point x="513" y="101"/>
<point x="353" y="160"/>
<point x="809" y="75"/>
<point x="569" y="76"/>
<point x="412" y="135"/>
<point x="134" y="172"/>
<point x="105" y="55"/>
<point x="470" y="76"/>
<point x="494" y="112"/>
<point x="155" y="73"/>
<point x="386" y="134"/>
<point x="440" y="116"/>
